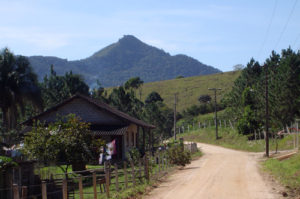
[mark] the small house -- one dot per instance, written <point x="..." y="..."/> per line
<point x="106" y="122"/>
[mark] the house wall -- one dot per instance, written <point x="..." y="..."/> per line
<point x="129" y="139"/>
<point x="86" y="111"/>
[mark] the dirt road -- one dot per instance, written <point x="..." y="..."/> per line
<point x="220" y="174"/>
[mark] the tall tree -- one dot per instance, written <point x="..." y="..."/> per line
<point x="18" y="86"/>
<point x="58" y="88"/>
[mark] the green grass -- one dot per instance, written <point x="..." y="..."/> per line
<point x="197" y="155"/>
<point x="123" y="193"/>
<point x="189" y="88"/>
<point x="231" y="139"/>
<point x="57" y="172"/>
<point x="286" y="171"/>
<point x="209" y="117"/>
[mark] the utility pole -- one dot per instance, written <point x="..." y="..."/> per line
<point x="267" y="113"/>
<point x="175" y="102"/>
<point x="216" y="116"/>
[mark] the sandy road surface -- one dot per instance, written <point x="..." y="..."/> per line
<point x="220" y="174"/>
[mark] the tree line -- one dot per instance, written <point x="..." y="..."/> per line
<point x="280" y="74"/>
<point x="22" y="96"/>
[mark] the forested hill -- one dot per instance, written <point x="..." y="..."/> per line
<point x="129" y="57"/>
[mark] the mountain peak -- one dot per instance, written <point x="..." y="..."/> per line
<point x="129" y="38"/>
<point x="126" y="58"/>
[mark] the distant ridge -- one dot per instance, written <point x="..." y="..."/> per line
<point x="129" y="57"/>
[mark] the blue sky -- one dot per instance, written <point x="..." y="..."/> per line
<point x="217" y="33"/>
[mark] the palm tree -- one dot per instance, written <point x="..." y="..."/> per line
<point x="18" y="85"/>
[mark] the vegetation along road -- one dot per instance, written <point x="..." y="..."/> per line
<point x="221" y="173"/>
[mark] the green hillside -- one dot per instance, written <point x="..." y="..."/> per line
<point x="189" y="88"/>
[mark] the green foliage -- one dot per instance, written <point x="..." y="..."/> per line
<point x="204" y="99"/>
<point x="178" y="156"/>
<point x="133" y="155"/>
<point x="18" y="87"/>
<point x="153" y="97"/>
<point x="196" y="110"/>
<point x="129" y="57"/>
<point x="284" y="91"/>
<point x="66" y="141"/>
<point x="249" y="122"/>
<point x="134" y="83"/>
<point x="6" y="162"/>
<point x="56" y="88"/>
<point x="126" y="101"/>
<point x="158" y="114"/>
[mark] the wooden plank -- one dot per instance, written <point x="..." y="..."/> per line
<point x="44" y="190"/>
<point x="132" y="173"/>
<point x="107" y="182"/>
<point x="24" y="192"/>
<point x="95" y="185"/>
<point x="125" y="175"/>
<point x="80" y="186"/>
<point x="116" y="177"/>
<point x="140" y="170"/>
<point x="65" y="188"/>
<point x="16" y="191"/>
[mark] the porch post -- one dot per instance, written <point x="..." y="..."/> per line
<point x="150" y="139"/>
<point x="137" y="137"/>
<point x="144" y="141"/>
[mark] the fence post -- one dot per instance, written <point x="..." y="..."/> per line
<point x="24" y="192"/>
<point x="16" y="191"/>
<point x="44" y="190"/>
<point x="107" y="181"/>
<point x="140" y="170"/>
<point x="132" y="172"/>
<point x="146" y="171"/>
<point x="158" y="163"/>
<point x="65" y="188"/>
<point x="125" y="175"/>
<point x="95" y="185"/>
<point x="80" y="187"/>
<point x="164" y="164"/>
<point x="117" y="177"/>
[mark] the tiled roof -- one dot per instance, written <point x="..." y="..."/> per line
<point x="120" y="131"/>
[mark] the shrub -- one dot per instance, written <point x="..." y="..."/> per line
<point x="133" y="155"/>
<point x="178" y="156"/>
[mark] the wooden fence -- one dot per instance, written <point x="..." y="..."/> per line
<point x="99" y="183"/>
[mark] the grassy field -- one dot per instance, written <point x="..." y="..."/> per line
<point x="231" y="139"/>
<point x="286" y="171"/>
<point x="189" y="88"/>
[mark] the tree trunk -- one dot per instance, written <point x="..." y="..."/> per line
<point x="4" y="117"/>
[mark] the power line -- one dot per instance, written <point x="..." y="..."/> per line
<point x="296" y="40"/>
<point x="268" y="29"/>
<point x="286" y="24"/>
